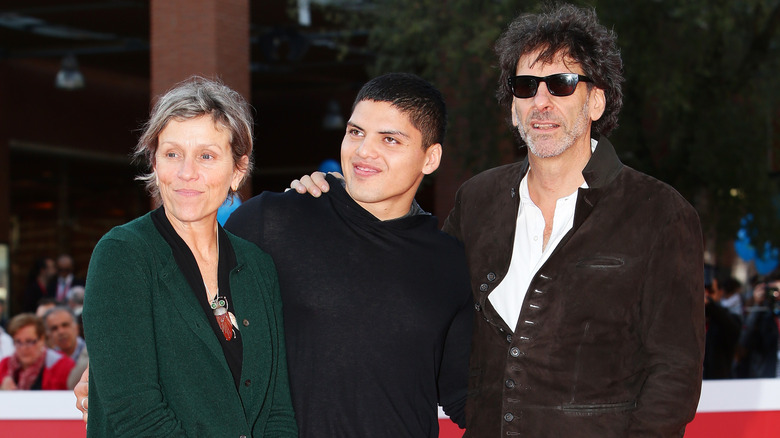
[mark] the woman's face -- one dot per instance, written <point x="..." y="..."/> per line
<point x="29" y="347"/>
<point x="195" y="169"/>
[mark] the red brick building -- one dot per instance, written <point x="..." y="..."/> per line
<point x="65" y="173"/>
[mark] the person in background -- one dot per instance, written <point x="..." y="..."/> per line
<point x="60" y="286"/>
<point x="732" y="296"/>
<point x="758" y="343"/>
<point x="44" y="305"/>
<point x="6" y="344"/>
<point x="183" y="319"/>
<point x="76" y="304"/>
<point x="33" y="365"/>
<point x="62" y="332"/>
<point x="76" y="300"/>
<point x="41" y="273"/>
<point x="722" y="333"/>
<point x="3" y="319"/>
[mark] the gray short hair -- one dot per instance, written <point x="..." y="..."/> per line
<point x="58" y="309"/>
<point x="192" y="98"/>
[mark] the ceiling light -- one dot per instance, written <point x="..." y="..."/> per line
<point x="69" y="77"/>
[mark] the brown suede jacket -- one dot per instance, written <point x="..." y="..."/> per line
<point x="610" y="338"/>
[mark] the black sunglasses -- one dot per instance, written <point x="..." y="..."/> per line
<point x="561" y="84"/>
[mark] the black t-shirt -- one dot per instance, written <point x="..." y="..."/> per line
<point x="377" y="314"/>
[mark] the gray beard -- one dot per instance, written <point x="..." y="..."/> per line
<point x="569" y="138"/>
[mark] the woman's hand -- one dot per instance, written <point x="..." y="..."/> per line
<point x="8" y="384"/>
<point x="81" y="391"/>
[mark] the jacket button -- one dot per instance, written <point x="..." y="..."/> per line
<point x="510" y="383"/>
<point x="247" y="382"/>
<point x="508" y="416"/>
<point x="483" y="287"/>
<point x="245" y="322"/>
<point x="514" y="352"/>
<point x="491" y="276"/>
<point x="477" y="307"/>
<point x="509" y="338"/>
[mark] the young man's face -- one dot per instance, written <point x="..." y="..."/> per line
<point x="549" y="124"/>
<point x="383" y="160"/>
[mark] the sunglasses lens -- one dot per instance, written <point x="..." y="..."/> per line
<point x="562" y="85"/>
<point x="524" y="86"/>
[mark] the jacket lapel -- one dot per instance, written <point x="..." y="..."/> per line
<point x="602" y="168"/>
<point x="174" y="286"/>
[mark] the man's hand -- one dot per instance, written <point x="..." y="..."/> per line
<point x="314" y="184"/>
<point x="82" y="391"/>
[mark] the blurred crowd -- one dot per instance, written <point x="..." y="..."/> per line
<point x="43" y="347"/>
<point x="742" y="326"/>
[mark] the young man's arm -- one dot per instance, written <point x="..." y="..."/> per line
<point x="454" y="372"/>
<point x="314" y="184"/>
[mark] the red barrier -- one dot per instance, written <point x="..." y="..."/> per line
<point x="727" y="409"/>
<point x="734" y="424"/>
<point x="705" y="425"/>
<point x="43" y="428"/>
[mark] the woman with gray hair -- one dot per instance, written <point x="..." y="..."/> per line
<point x="183" y="319"/>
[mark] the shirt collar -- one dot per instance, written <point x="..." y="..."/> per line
<point x="602" y="168"/>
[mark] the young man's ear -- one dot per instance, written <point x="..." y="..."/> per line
<point x="432" y="159"/>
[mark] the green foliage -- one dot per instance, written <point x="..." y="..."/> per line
<point x="700" y="100"/>
<point x="450" y="43"/>
<point x="699" y="105"/>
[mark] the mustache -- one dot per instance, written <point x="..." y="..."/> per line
<point x="542" y="116"/>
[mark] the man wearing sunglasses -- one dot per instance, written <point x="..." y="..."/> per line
<point x="587" y="275"/>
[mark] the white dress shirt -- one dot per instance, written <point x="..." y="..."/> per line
<point x="528" y="254"/>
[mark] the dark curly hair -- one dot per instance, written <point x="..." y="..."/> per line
<point x="413" y="96"/>
<point x="575" y="33"/>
